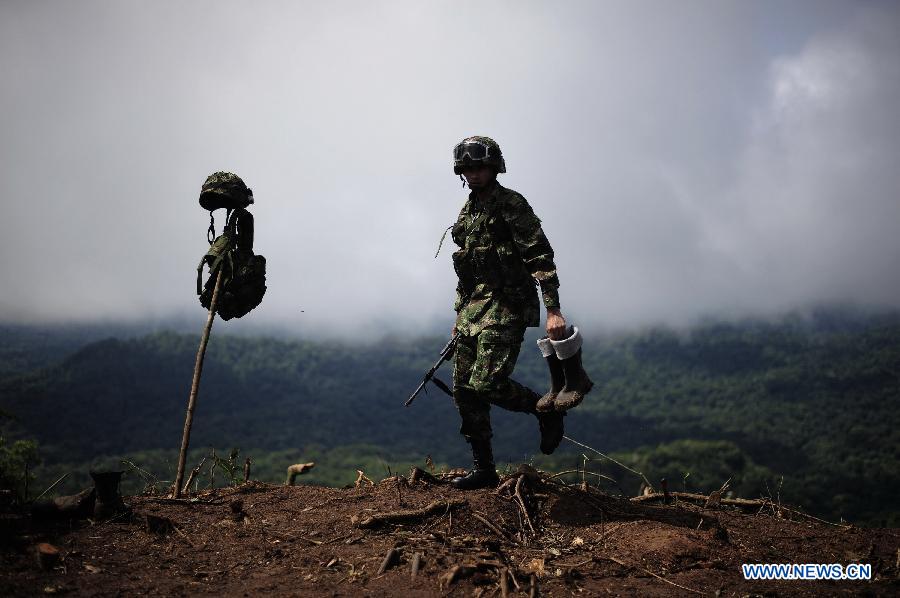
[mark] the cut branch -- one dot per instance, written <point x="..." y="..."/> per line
<point x="297" y="469"/>
<point x="437" y="507"/>
<point x="194" y="473"/>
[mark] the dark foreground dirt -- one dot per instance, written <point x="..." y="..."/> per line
<point x="313" y="541"/>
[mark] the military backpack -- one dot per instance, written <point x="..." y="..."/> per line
<point x="243" y="272"/>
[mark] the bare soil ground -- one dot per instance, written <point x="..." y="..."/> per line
<point x="314" y="541"/>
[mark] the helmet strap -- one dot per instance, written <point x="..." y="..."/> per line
<point x="462" y="178"/>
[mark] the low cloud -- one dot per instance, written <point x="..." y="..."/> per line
<point x="703" y="159"/>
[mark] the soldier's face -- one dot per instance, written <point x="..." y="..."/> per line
<point x="478" y="176"/>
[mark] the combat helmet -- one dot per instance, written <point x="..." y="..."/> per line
<point x="225" y="190"/>
<point x="478" y="150"/>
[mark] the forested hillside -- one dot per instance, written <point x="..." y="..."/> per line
<point x="803" y="408"/>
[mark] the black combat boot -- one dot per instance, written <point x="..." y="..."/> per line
<point x="484" y="473"/>
<point x="552" y="430"/>
<point x="577" y="384"/>
<point x="557" y="376"/>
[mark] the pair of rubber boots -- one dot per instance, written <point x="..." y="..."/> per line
<point x="568" y="380"/>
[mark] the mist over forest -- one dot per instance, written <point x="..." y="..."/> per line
<point x="802" y="407"/>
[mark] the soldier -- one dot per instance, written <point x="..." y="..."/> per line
<point x="503" y="255"/>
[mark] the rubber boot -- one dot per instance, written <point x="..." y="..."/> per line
<point x="577" y="384"/>
<point x="552" y="430"/>
<point x="484" y="473"/>
<point x="568" y="351"/>
<point x="557" y="378"/>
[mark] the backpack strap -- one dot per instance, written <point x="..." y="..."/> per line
<point x="219" y="253"/>
<point x="241" y="225"/>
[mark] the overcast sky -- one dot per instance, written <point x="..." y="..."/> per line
<point x="687" y="158"/>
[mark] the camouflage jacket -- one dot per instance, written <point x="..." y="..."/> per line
<point x="503" y="254"/>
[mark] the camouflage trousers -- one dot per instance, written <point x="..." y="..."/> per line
<point x="482" y="368"/>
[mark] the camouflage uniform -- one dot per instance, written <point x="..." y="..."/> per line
<point x="503" y="254"/>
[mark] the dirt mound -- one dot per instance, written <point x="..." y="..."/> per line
<point x="418" y="536"/>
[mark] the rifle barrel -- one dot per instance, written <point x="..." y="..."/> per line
<point x="412" y="397"/>
<point x="446" y="353"/>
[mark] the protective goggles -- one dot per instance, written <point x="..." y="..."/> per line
<point x="474" y="150"/>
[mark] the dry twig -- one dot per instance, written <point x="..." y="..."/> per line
<point x="361" y="477"/>
<point x="645" y="570"/>
<point x="622" y="465"/>
<point x="582" y="472"/>
<point x="506" y="485"/>
<point x="417" y="475"/>
<point x="518" y="494"/>
<point x="52" y="486"/>
<point x="493" y="527"/>
<point x="193" y="475"/>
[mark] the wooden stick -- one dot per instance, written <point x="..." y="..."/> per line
<point x="390" y="559"/>
<point x="416" y="564"/>
<point x="195" y="385"/>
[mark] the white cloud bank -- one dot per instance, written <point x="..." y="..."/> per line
<point x="709" y="158"/>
